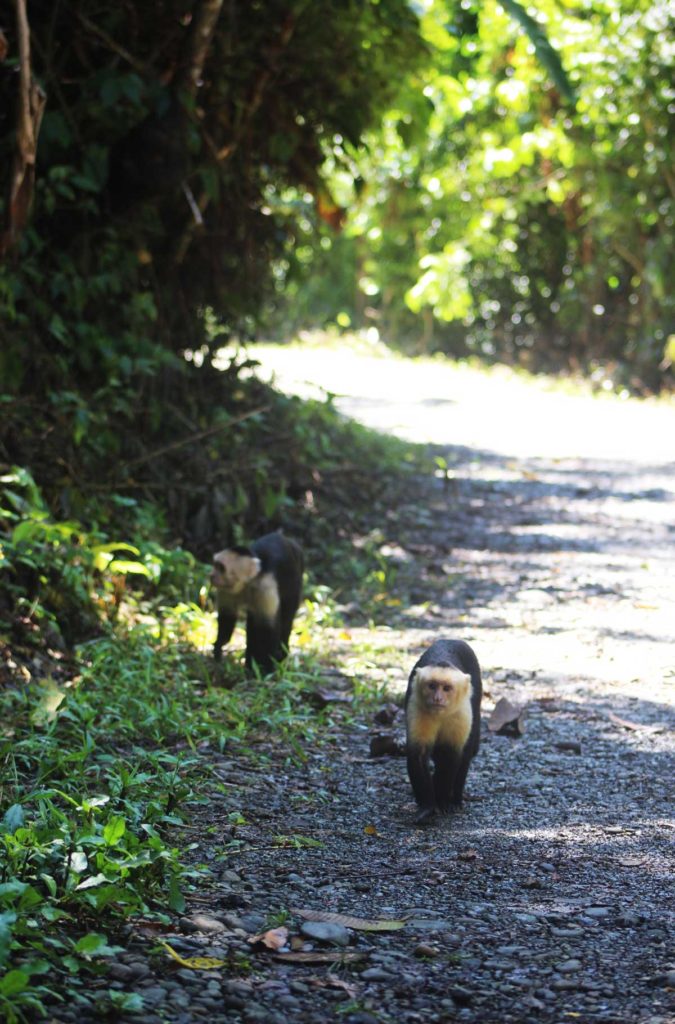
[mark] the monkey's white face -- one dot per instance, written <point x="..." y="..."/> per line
<point x="441" y="689"/>
<point x="232" y="571"/>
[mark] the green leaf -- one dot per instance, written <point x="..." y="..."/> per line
<point x="95" y="944"/>
<point x="91" y="882"/>
<point x="6" y="921"/>
<point x="176" y="900"/>
<point x="10" y="890"/>
<point x="124" y="1002"/>
<point x="27" y="530"/>
<point x="51" y="698"/>
<point x="123" y="567"/>
<point x="114" y="830"/>
<point x="13" y="983"/>
<point x="13" y="819"/>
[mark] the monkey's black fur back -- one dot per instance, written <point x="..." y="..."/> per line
<point x="283" y="558"/>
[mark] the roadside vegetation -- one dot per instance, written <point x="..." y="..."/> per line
<point x="111" y="705"/>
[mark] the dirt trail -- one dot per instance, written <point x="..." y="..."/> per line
<point x="549" y="546"/>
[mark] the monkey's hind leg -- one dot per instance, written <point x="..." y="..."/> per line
<point x="446" y="771"/>
<point x="457" y="796"/>
<point x="263" y="645"/>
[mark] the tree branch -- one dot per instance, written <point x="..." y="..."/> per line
<point x="31" y="102"/>
<point x="202" y="27"/>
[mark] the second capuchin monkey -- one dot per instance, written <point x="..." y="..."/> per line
<point x="265" y="581"/>
<point x="442" y="706"/>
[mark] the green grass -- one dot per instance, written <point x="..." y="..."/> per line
<point x="99" y="773"/>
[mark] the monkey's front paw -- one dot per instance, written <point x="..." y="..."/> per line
<point x="425" y="816"/>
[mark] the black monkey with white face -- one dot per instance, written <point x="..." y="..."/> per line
<point x="265" y="581"/>
<point x="442" y="705"/>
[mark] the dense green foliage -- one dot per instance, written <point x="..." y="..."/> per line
<point x="499" y="206"/>
<point x="151" y="194"/>
<point x="494" y="215"/>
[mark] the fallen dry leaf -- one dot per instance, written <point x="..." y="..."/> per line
<point x="507" y="718"/>
<point x="332" y="981"/>
<point x="319" y="957"/>
<point x="195" y="963"/>
<point x="202" y="923"/>
<point x="359" y="924"/>
<point x="274" y="939"/>
<point x="622" y="722"/>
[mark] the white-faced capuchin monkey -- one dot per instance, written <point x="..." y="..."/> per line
<point x="442" y="706"/>
<point x="265" y="581"/>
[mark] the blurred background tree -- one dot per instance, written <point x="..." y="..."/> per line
<point x="166" y="128"/>
<point x="425" y="168"/>
<point x="490" y="214"/>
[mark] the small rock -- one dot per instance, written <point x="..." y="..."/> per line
<point x="569" y="746"/>
<point x="423" y="949"/>
<point x="153" y="995"/>
<point x="386" y="714"/>
<point x="326" y="931"/>
<point x="568" y="966"/>
<point x="201" y="923"/>
<point x="532" y="882"/>
<point x="385" y="744"/>
<point x="232" y="921"/>
<point x="564" y="985"/>
<point x="460" y="996"/>
<point x="424" y="925"/>
<point x="230" y="876"/>
<point x="534" y="1003"/>
<point x="238" y="988"/>
<point x="120" y="972"/>
<point x="253" y="923"/>
<point x="376" y="974"/>
<point x="630" y="919"/>
<point x="139" y="969"/>
<point x="663" y="978"/>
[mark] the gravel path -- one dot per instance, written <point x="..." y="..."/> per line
<point x="549" y="897"/>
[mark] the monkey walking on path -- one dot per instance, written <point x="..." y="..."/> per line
<point x="442" y="705"/>
<point x="265" y="581"/>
